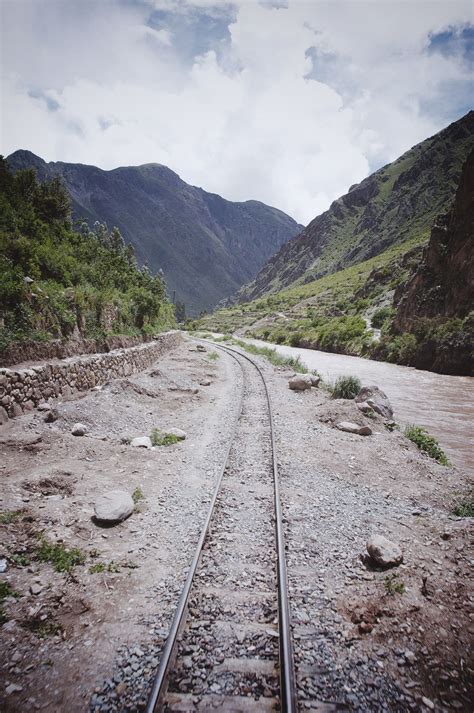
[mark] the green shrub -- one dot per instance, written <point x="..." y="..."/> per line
<point x="426" y="443"/>
<point x="465" y="508"/>
<point x="163" y="439"/>
<point x="137" y="495"/>
<point x="213" y="356"/>
<point x="346" y="387"/>
<point x="380" y="316"/>
<point x="393" y="585"/>
<point x="9" y="516"/>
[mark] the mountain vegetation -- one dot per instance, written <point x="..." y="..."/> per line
<point x="207" y="247"/>
<point x="409" y="303"/>
<point x="58" y="281"/>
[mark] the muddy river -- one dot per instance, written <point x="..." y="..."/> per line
<point x="444" y="405"/>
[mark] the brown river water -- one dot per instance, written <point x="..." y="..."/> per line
<point x="444" y="405"/>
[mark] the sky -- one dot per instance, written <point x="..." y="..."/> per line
<point x="285" y="101"/>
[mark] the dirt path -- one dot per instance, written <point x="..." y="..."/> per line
<point x="364" y="639"/>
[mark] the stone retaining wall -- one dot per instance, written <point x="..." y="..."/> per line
<point x="23" y="389"/>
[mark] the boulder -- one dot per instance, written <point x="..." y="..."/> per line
<point x="79" y="429"/>
<point x="300" y="382"/>
<point x="180" y="435"/>
<point x="44" y="406"/>
<point x="3" y="415"/>
<point x="141" y="442"/>
<point x="113" y="506"/>
<point x="315" y="379"/>
<point x="383" y="552"/>
<point x="376" y="399"/>
<point x="354" y="428"/>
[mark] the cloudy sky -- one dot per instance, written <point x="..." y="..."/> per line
<point x="284" y="101"/>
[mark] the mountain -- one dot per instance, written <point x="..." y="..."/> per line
<point x="207" y="247"/>
<point x="395" y="204"/>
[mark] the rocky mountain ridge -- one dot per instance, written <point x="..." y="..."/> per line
<point x="207" y="247"/>
<point x="395" y="204"/>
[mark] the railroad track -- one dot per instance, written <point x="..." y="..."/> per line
<point x="229" y="646"/>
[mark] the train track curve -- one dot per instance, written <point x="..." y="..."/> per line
<point x="229" y="646"/>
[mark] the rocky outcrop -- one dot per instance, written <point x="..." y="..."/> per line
<point x="441" y="292"/>
<point x="22" y="390"/>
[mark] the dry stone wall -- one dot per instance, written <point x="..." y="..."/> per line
<point x="23" y="389"/>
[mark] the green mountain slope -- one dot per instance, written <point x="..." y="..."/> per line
<point x="206" y="246"/>
<point x="396" y="204"/>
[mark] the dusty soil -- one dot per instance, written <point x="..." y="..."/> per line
<point x="367" y="640"/>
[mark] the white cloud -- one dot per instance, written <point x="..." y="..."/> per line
<point x="242" y="119"/>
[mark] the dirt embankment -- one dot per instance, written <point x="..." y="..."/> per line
<point x="380" y="640"/>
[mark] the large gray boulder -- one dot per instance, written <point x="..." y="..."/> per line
<point x="376" y="399"/>
<point x="113" y="506"/>
<point x="384" y="552"/>
<point x="300" y="382"/>
<point x="177" y="432"/>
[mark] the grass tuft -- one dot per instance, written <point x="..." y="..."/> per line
<point x="393" y="585"/>
<point x="273" y="356"/>
<point x="103" y="567"/>
<point x="137" y="495"/>
<point x="426" y="443"/>
<point x="9" y="516"/>
<point x="465" y="508"/>
<point x="62" y="559"/>
<point x="346" y="387"/>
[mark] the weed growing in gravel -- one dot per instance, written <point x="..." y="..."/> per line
<point x="137" y="495"/>
<point x="9" y="516"/>
<point x="393" y="585"/>
<point x="20" y="558"/>
<point x="163" y="439"/>
<point x="346" y="387"/>
<point x="62" y="559"/>
<point x="465" y="508"/>
<point x="273" y="356"/>
<point x="42" y="629"/>
<point x="213" y="356"/>
<point x="103" y="567"/>
<point x="426" y="443"/>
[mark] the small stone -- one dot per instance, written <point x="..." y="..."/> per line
<point x="51" y="416"/>
<point x="350" y="427"/>
<point x="114" y="506"/>
<point x="301" y="382"/>
<point x="315" y="380"/>
<point x="121" y="688"/>
<point x="141" y="442"/>
<point x="36" y="589"/>
<point x="383" y="552"/>
<point x="428" y="703"/>
<point x="44" y="406"/>
<point x="365" y="627"/>
<point x="79" y="429"/>
<point x="3" y="415"/>
<point x="205" y="382"/>
<point x="3" y="566"/>
<point x="410" y="657"/>
<point x="13" y="688"/>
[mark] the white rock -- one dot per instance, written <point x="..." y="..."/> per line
<point x="3" y="566"/>
<point x="350" y="427"/>
<point x="384" y="552"/>
<point x="315" y="379"/>
<point x="301" y="382"/>
<point x="205" y="382"/>
<point x="79" y="429"/>
<point x="13" y="688"/>
<point x="44" y="406"/>
<point x="141" y="442"/>
<point x="36" y="589"/>
<point x="114" y="506"/>
<point x="181" y="435"/>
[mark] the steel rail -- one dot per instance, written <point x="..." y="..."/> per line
<point x="287" y="675"/>
<point x="287" y="669"/>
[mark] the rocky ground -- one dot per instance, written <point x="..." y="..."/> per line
<point x="90" y="638"/>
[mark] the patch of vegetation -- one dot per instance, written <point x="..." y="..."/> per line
<point x="346" y="387"/>
<point x="137" y="495"/>
<point x="56" y="278"/>
<point x="393" y="585"/>
<point x="380" y="316"/>
<point x="426" y="443"/>
<point x="213" y="356"/>
<point x="163" y="439"/>
<point x="21" y="559"/>
<point x="273" y="356"/>
<point x="465" y="508"/>
<point x="43" y="628"/>
<point x="9" y="516"/>
<point x="57" y="554"/>
<point x="103" y="567"/>
<point x="5" y="591"/>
